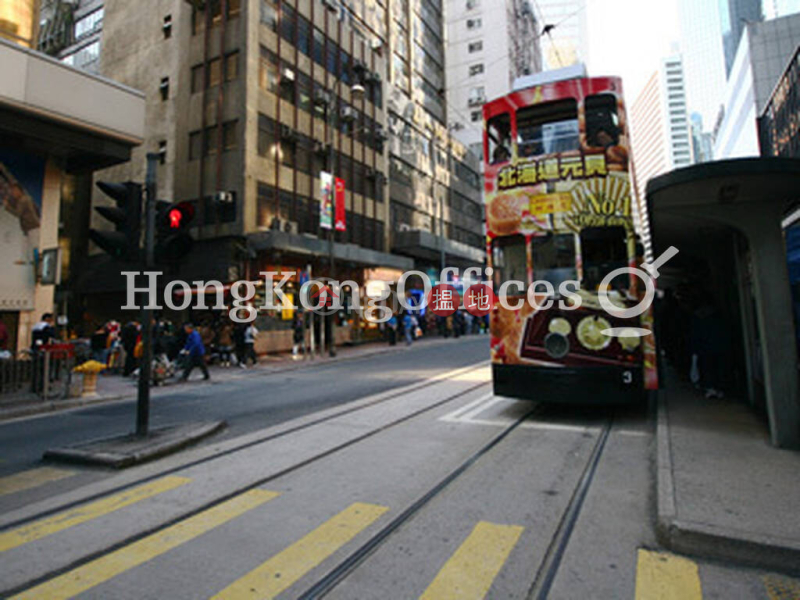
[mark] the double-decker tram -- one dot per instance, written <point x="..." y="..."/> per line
<point x="559" y="219"/>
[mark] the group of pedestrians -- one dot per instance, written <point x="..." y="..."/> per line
<point x="410" y="325"/>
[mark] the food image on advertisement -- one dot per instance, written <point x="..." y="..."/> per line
<point x="505" y="213"/>
<point x="17" y="201"/>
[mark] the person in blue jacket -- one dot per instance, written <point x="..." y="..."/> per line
<point x="196" y="351"/>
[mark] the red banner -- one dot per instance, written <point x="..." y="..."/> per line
<point x="340" y="213"/>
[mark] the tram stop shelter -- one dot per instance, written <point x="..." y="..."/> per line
<point x="725" y="218"/>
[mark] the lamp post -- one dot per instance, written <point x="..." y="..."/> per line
<point x="333" y="105"/>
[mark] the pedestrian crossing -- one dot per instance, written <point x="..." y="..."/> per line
<point x="468" y="573"/>
<point x="32" y="478"/>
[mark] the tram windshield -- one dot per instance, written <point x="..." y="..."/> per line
<point x="554" y="258"/>
<point x="603" y="249"/>
<point x="548" y="128"/>
<point x="510" y="261"/>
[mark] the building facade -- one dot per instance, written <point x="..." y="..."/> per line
<point x="779" y="124"/>
<point x="761" y="59"/>
<point x="249" y="101"/>
<point x="18" y="21"/>
<point x="482" y="65"/>
<point x="567" y="43"/>
<point x="734" y="15"/>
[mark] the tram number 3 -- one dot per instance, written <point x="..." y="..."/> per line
<point x="627" y="377"/>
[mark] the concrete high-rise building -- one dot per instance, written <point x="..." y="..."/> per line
<point x="762" y="58"/>
<point x="482" y="65"/>
<point x="780" y="8"/>
<point x="703" y="58"/>
<point x="248" y="101"/>
<point x="661" y="139"/>
<point x="734" y="15"/>
<point x="568" y="41"/>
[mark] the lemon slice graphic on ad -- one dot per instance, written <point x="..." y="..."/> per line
<point x="590" y="333"/>
<point x="559" y="325"/>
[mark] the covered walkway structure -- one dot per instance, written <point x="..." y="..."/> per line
<point x="725" y="218"/>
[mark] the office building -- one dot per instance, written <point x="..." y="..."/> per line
<point x="247" y="101"/>
<point x="734" y="15"/>
<point x="482" y="65"/>
<point x="568" y="41"/>
<point x="762" y="58"/>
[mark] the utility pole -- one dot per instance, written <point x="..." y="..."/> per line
<point x="143" y="399"/>
<point x="330" y="320"/>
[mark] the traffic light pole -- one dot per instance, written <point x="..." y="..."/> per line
<point x="143" y="399"/>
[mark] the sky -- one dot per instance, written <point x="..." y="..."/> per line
<point x="628" y="38"/>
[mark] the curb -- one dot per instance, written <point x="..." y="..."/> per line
<point x="54" y="406"/>
<point x="701" y="539"/>
<point x="119" y="460"/>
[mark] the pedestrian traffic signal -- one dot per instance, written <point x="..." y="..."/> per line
<point x="173" y="240"/>
<point x="123" y="242"/>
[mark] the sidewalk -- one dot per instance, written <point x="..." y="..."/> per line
<point x="116" y="387"/>
<point x="723" y="490"/>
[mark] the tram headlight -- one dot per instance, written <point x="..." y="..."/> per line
<point x="556" y="345"/>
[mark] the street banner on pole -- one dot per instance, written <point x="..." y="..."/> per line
<point x="340" y="212"/>
<point x="326" y="205"/>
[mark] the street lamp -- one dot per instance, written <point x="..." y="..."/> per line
<point x="356" y="92"/>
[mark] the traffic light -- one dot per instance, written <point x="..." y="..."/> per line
<point x="173" y="240"/>
<point x="123" y="242"/>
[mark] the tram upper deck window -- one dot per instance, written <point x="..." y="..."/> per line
<point x="604" y="249"/>
<point x="602" y="121"/>
<point x="510" y="262"/>
<point x="554" y="258"/>
<point x="548" y="128"/>
<point x="499" y="133"/>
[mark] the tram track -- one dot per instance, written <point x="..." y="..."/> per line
<point x="250" y="485"/>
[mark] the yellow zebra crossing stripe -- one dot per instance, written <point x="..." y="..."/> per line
<point x="76" y="516"/>
<point x="26" y="480"/>
<point x="663" y="576"/>
<point x="106" y="567"/>
<point x="469" y="573"/>
<point x="285" y="568"/>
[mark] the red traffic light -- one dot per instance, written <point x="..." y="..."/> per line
<point x="175" y="218"/>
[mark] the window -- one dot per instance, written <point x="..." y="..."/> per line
<point x="266" y="136"/>
<point x="268" y="71"/>
<point x="167" y="27"/>
<point x="287" y="23"/>
<point x="472" y="4"/>
<point x="303" y="35"/>
<point x="265" y="204"/>
<point x="332" y="58"/>
<point x="269" y="14"/>
<point x="499" y="135"/>
<point x="474" y="23"/>
<point x="195" y="145"/>
<point x="548" y="128"/>
<point x="85" y="57"/>
<point x="214" y="72"/>
<point x="475" y="47"/>
<point x="303" y="86"/>
<point x="477" y="96"/>
<point x="164" y="88"/>
<point x="510" y="262"/>
<point x="231" y="66"/>
<point x="198" y="75"/>
<point x="554" y="258"/>
<point x="476" y="69"/>
<point x="89" y="24"/>
<point x="229" y="135"/>
<point x="475" y="116"/>
<point x="162" y="152"/>
<point x="319" y="47"/>
<point x="603" y="249"/>
<point x="602" y="122"/>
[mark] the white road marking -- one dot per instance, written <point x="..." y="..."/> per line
<point x="468" y="415"/>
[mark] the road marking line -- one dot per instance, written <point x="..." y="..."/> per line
<point x="76" y="516"/>
<point x="288" y="566"/>
<point x="471" y="570"/>
<point x="26" y="480"/>
<point x="91" y="574"/>
<point x="456" y="414"/>
<point x="662" y="576"/>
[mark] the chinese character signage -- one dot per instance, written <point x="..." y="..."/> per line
<point x="340" y="210"/>
<point x="326" y="203"/>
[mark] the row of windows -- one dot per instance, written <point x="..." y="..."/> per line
<point x="214" y="69"/>
<point x="311" y="41"/>
<point x="298" y="151"/>
<point x="206" y="143"/>
<point x="84" y="57"/>
<point x="89" y="24"/>
<point x="297" y="88"/>
<point x="233" y="8"/>
<point x="467" y="175"/>
<point x="275" y="204"/>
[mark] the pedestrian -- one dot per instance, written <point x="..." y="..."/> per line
<point x="196" y="353"/>
<point x="709" y="340"/>
<point x="392" y="330"/>
<point x="297" y="334"/>
<point x="128" y="336"/>
<point x="225" y="339"/>
<point x="250" y="334"/>
<point x="42" y="334"/>
<point x="3" y="337"/>
<point x="408" y="328"/>
<point x="99" y="344"/>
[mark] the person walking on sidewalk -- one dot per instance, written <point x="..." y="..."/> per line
<point x="249" y="345"/>
<point x="196" y="353"/>
<point x="225" y="339"/>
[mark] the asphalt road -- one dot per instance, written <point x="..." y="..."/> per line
<point x="246" y="404"/>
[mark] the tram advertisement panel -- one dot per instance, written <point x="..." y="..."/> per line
<point x="559" y="207"/>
